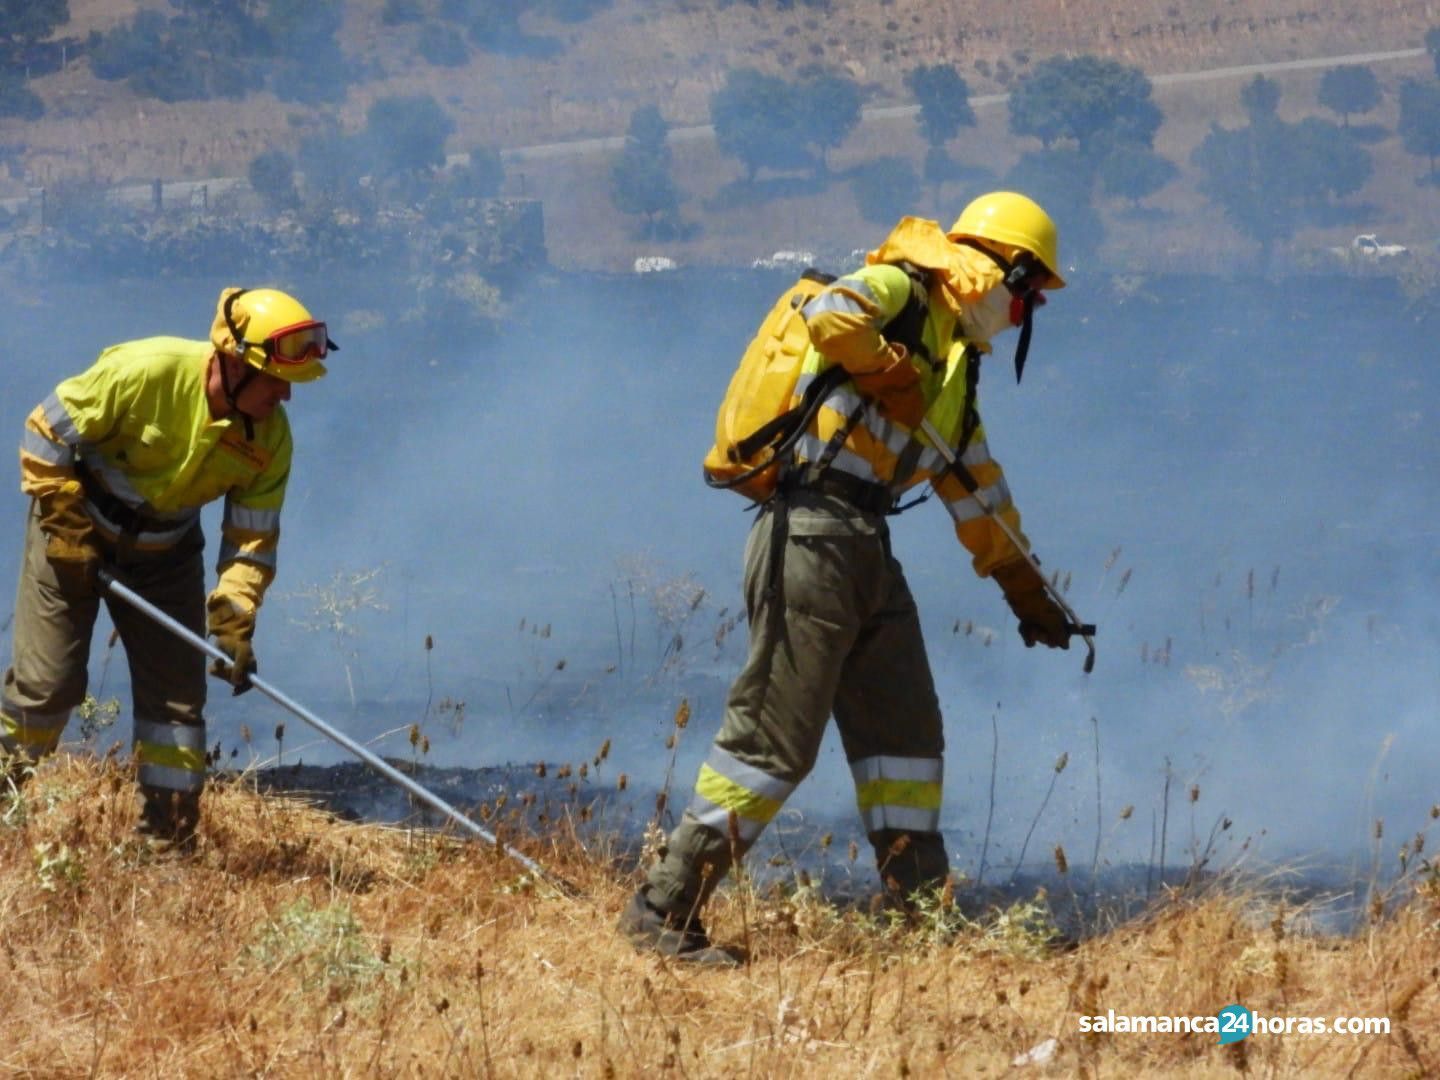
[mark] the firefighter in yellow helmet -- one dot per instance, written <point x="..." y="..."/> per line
<point x="833" y="625"/>
<point x="118" y="462"/>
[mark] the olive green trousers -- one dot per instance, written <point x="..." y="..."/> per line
<point x="833" y="629"/>
<point x="48" y="676"/>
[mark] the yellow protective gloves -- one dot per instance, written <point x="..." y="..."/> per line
<point x="72" y="545"/>
<point x="1041" y="619"/>
<point x="895" y="387"/>
<point x="232" y="628"/>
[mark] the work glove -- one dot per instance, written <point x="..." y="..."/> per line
<point x="71" y="543"/>
<point x="1041" y="619"/>
<point x="75" y="561"/>
<point x="232" y="628"/>
<point x="895" y="388"/>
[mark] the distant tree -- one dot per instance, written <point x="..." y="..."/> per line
<point x="1237" y="173"/>
<point x="407" y="133"/>
<point x="127" y="48"/>
<point x="304" y="40"/>
<point x="886" y="189"/>
<point x="944" y="100"/>
<point x="398" y="12"/>
<point x="1349" y="89"/>
<point x="756" y="120"/>
<point x="193" y="56"/>
<point x="1322" y="162"/>
<point x="1088" y="99"/>
<point x="441" y="46"/>
<point x="1134" y="173"/>
<point x="829" y="110"/>
<point x="334" y="165"/>
<point x="1061" y="181"/>
<point x="640" y="180"/>
<point x="16" y="99"/>
<point x="24" y="22"/>
<point x="481" y="177"/>
<point x="1260" y="98"/>
<point x="571" y="11"/>
<point x="1419" y="125"/>
<point x="649" y="131"/>
<point x="272" y="176"/>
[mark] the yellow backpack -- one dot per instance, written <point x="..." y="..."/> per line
<point x="761" y="418"/>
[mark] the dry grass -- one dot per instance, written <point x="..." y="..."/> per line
<point x="295" y="945"/>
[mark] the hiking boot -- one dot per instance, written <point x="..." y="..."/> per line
<point x="649" y="928"/>
<point x="168" y="820"/>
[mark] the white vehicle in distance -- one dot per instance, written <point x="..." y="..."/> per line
<point x="1367" y="248"/>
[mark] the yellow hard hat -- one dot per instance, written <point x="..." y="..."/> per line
<point x="1008" y="217"/>
<point x="272" y="332"/>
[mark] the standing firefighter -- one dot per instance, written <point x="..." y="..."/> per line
<point x="833" y="626"/>
<point x="118" y="461"/>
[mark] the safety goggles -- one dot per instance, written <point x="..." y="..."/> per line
<point x="298" y="344"/>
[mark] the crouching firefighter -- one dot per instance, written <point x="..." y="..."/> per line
<point x="893" y="346"/>
<point x="117" y="462"/>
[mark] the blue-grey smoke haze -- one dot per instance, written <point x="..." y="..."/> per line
<point x="1235" y="478"/>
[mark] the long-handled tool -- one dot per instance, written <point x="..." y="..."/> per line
<point x="108" y="583"/>
<point x="1085" y="631"/>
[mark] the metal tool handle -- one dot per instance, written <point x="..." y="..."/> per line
<point x="108" y="583"/>
<point x="1083" y="629"/>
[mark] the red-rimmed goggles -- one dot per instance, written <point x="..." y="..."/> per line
<point x="298" y="344"/>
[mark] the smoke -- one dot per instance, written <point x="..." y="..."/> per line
<point x="1237" y="487"/>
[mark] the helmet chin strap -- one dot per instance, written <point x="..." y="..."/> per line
<point x="233" y="393"/>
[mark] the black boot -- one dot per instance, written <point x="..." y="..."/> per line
<point x="677" y="936"/>
<point x="168" y="819"/>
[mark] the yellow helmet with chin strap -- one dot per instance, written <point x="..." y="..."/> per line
<point x="272" y="332"/>
<point x="1007" y="217"/>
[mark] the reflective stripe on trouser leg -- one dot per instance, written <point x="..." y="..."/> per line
<point x="899" y="793"/>
<point x="29" y="731"/>
<point x="727" y="785"/>
<point x="170" y="755"/>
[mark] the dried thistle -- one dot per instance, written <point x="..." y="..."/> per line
<point x="1126" y="812"/>
<point x="682" y="714"/>
<point x="1062" y="864"/>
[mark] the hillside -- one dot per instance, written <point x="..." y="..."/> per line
<point x="292" y="944"/>
<point x="676" y="54"/>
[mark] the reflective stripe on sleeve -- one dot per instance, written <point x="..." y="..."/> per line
<point x="244" y="517"/>
<point x="996" y="497"/>
<point x="899" y="792"/>
<point x="58" y="417"/>
<point x="726" y="784"/>
<point x="230" y="551"/>
<point x="37" y="446"/>
<point x="977" y="453"/>
<point x="836" y="298"/>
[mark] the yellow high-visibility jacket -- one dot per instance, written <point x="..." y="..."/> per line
<point x="136" y="429"/>
<point x="845" y="324"/>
